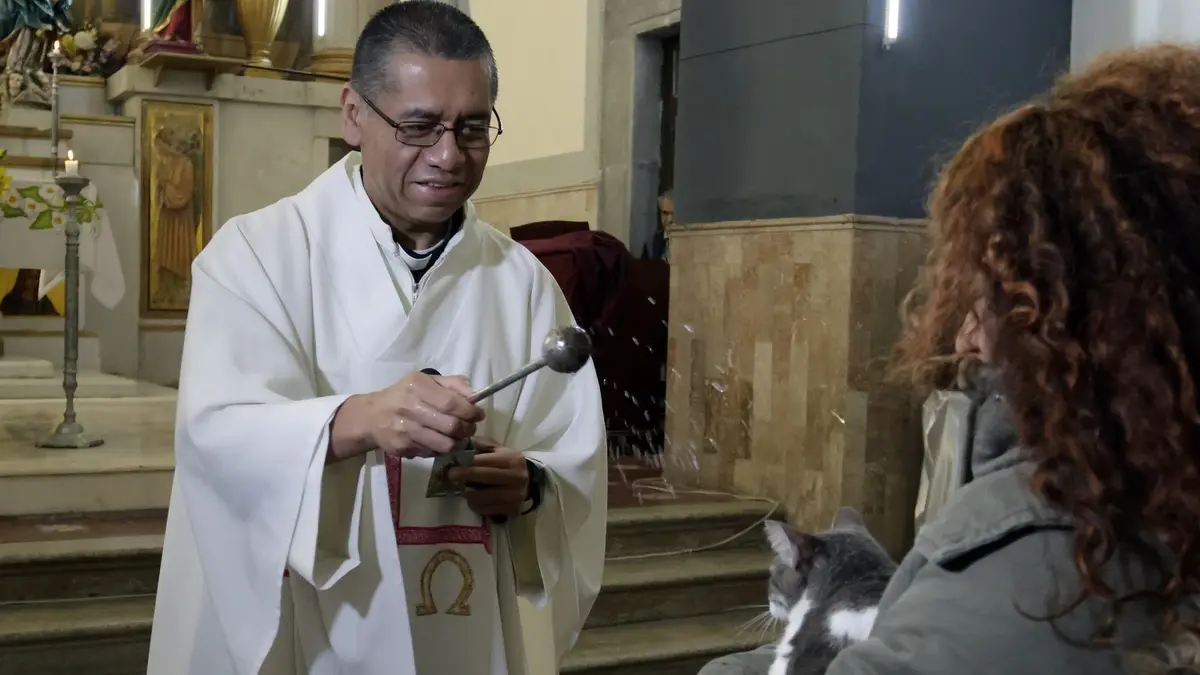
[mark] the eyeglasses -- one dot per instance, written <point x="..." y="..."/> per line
<point x="427" y="134"/>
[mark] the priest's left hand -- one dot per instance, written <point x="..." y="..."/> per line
<point x="497" y="480"/>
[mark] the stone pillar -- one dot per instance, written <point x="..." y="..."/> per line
<point x="804" y="149"/>
<point x="333" y="52"/>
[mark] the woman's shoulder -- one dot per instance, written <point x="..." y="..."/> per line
<point x="986" y="513"/>
<point x="977" y="593"/>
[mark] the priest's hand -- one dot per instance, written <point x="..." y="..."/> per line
<point x="497" y="480"/>
<point x="419" y="416"/>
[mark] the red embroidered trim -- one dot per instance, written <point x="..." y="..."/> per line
<point x="429" y="536"/>
<point x="444" y="534"/>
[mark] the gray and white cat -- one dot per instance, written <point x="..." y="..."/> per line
<point x="826" y="587"/>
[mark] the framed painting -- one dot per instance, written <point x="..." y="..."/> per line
<point x="177" y="188"/>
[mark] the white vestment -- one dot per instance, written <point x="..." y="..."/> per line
<point x="294" y="308"/>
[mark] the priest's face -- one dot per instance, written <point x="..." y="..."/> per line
<point x="416" y="178"/>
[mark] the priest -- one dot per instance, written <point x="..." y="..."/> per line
<point x="302" y="537"/>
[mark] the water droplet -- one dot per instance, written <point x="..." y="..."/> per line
<point x="688" y="327"/>
<point x="651" y="300"/>
<point x="635" y="341"/>
<point x="839" y="417"/>
<point x="718" y="386"/>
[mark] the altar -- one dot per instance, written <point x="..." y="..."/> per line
<point x="32" y="236"/>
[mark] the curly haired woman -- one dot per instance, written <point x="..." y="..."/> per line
<point x="1066" y="257"/>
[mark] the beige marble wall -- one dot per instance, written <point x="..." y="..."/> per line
<point x="780" y="334"/>
<point x="574" y="203"/>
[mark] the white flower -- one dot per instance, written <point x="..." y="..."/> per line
<point x="32" y="207"/>
<point x="11" y="198"/>
<point x="58" y="220"/>
<point x="52" y="194"/>
<point x="85" y="40"/>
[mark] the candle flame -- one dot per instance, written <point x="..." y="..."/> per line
<point x="70" y="155"/>
<point x="56" y="46"/>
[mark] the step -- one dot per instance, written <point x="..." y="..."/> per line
<point x="21" y="367"/>
<point x="686" y="526"/>
<point x="47" y="345"/>
<point x="672" y="647"/>
<point x="104" y="636"/>
<point x="80" y="556"/>
<point x="34" y="145"/>
<point x="15" y="131"/>
<point x="132" y="470"/>
<point x="90" y="385"/>
<point x="680" y="586"/>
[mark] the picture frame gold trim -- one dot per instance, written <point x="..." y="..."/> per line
<point x="153" y="110"/>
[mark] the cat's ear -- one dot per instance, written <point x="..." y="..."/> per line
<point x="848" y="518"/>
<point x="783" y="543"/>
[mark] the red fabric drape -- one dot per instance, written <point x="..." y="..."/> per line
<point x="622" y="303"/>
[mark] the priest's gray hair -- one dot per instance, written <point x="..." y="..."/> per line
<point x="424" y="27"/>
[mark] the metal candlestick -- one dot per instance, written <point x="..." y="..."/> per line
<point x="70" y="433"/>
<point x="54" y="107"/>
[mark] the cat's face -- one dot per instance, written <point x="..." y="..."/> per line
<point x="818" y="563"/>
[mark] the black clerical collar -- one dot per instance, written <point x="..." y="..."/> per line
<point x="456" y="223"/>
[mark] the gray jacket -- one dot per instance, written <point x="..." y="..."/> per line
<point x="968" y="597"/>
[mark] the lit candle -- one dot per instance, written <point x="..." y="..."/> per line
<point x="56" y="48"/>
<point x="72" y="164"/>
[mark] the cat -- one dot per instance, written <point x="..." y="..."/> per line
<point x="826" y="588"/>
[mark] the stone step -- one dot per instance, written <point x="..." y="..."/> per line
<point x="91" y="385"/>
<point x="131" y="471"/>
<point x="104" y="636"/>
<point x="13" y="367"/>
<point x="78" y="557"/>
<point x="671" y="647"/>
<point x="17" y="131"/>
<point x="47" y="345"/>
<point x="680" y="586"/>
<point x="681" y="527"/>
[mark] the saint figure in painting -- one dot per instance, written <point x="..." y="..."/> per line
<point x="175" y="219"/>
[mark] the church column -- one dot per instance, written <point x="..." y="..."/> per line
<point x="333" y="51"/>
<point x="805" y="143"/>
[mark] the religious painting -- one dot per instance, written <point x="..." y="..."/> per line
<point x="177" y="171"/>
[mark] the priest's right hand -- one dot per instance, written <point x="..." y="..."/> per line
<point x="419" y="416"/>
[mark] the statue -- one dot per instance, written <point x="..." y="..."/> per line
<point x="29" y="27"/>
<point x="174" y="27"/>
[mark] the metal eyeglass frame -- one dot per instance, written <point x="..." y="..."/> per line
<point x="443" y="129"/>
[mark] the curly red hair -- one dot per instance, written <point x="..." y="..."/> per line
<point x="1076" y="221"/>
